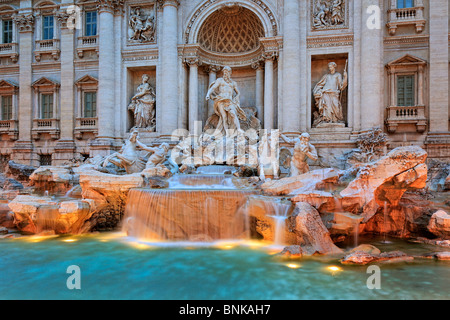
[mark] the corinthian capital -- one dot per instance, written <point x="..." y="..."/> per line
<point x="110" y="5"/>
<point x="25" y="22"/>
<point x="163" y="3"/>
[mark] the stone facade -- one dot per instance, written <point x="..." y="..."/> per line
<point x="70" y="87"/>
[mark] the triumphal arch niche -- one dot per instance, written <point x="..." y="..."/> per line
<point x="241" y="35"/>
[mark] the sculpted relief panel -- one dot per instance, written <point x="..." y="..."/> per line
<point x="142" y="25"/>
<point x="329" y="14"/>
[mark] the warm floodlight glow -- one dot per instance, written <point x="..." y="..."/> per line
<point x="334" y="269"/>
<point x="70" y="240"/>
<point x="293" y="265"/>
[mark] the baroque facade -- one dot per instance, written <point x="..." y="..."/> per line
<point x="77" y="76"/>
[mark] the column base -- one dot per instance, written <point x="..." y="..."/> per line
<point x="23" y="152"/>
<point x="104" y="146"/>
<point x="437" y="144"/>
<point x="64" y="152"/>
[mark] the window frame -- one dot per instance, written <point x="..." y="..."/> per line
<point x="91" y="24"/>
<point x="48" y="28"/>
<point x="413" y="97"/>
<point x="9" y="112"/>
<point x="42" y="110"/>
<point x="84" y="104"/>
<point x="404" y="5"/>
<point x="10" y="31"/>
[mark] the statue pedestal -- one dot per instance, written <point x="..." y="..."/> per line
<point x="330" y="125"/>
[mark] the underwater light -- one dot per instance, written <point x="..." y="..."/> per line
<point x="293" y="265"/>
<point x="70" y="240"/>
<point x="334" y="269"/>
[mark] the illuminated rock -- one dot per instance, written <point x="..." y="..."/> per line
<point x="439" y="224"/>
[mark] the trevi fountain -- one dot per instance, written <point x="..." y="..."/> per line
<point x="230" y="212"/>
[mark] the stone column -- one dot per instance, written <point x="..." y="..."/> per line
<point x="259" y="90"/>
<point x="212" y="76"/>
<point x="169" y="66"/>
<point x="65" y="147"/>
<point x="193" y="94"/>
<point x="269" y="111"/>
<point x="439" y="113"/>
<point x="291" y="66"/>
<point x="105" y="94"/>
<point x="371" y="70"/>
<point x="23" y="149"/>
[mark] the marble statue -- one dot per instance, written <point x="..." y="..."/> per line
<point x="303" y="150"/>
<point x="143" y="106"/>
<point x="128" y="157"/>
<point x="328" y="94"/>
<point x="225" y="94"/>
<point x="268" y="159"/>
<point x="158" y="155"/>
<point x="143" y="30"/>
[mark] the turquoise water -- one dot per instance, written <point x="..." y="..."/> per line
<point x="116" y="268"/>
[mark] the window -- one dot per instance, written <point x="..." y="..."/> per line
<point x="7" y="31"/>
<point x="90" y="24"/>
<point x="6" y="106"/>
<point x="47" y="27"/>
<point x="45" y="159"/>
<point x="46" y="106"/>
<point x="90" y="104"/>
<point x="401" y="4"/>
<point x="405" y="91"/>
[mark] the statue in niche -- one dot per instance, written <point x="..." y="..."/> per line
<point x="303" y="150"/>
<point x="143" y="106"/>
<point x="142" y="29"/>
<point x="128" y="157"/>
<point x="328" y="96"/>
<point x="225" y="94"/>
<point x="328" y="13"/>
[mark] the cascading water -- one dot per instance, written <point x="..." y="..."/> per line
<point x="193" y="208"/>
<point x="280" y="214"/>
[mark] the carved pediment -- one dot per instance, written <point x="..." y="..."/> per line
<point x="44" y="82"/>
<point x="86" y="80"/>
<point x="407" y="60"/>
<point x="4" y="85"/>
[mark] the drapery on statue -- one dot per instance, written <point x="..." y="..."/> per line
<point x="143" y="29"/>
<point x="143" y="106"/>
<point x="225" y="94"/>
<point x="303" y="150"/>
<point x="327" y="94"/>
<point x="128" y="158"/>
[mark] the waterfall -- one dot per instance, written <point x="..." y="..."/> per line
<point x="187" y="214"/>
<point x="278" y="211"/>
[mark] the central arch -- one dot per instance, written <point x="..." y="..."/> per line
<point x="261" y="10"/>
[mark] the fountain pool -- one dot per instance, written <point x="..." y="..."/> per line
<point x="117" y="267"/>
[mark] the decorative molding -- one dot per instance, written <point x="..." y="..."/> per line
<point x="407" y="40"/>
<point x="140" y="55"/>
<point x="330" y="41"/>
